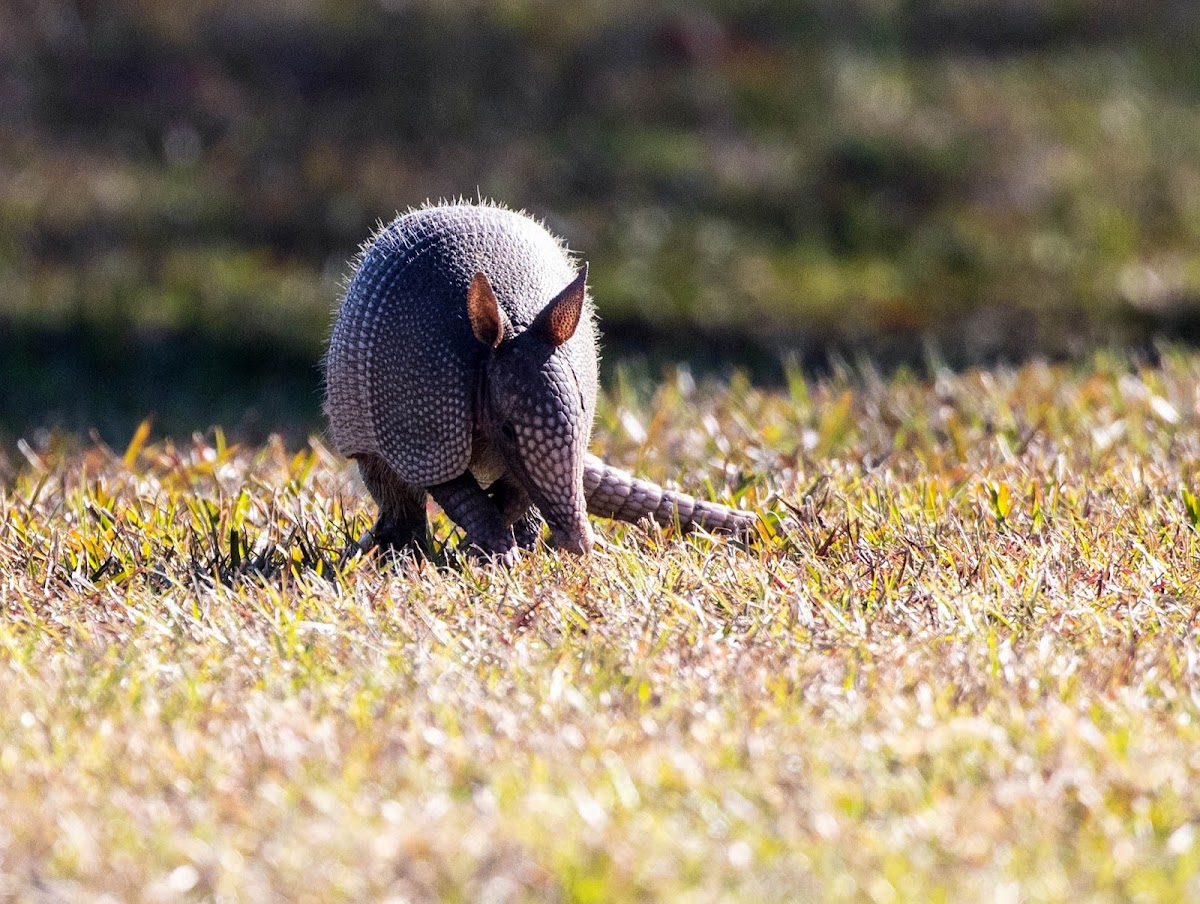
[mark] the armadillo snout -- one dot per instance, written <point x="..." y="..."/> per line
<point x="578" y="540"/>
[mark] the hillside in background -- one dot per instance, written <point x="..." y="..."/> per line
<point x="182" y="183"/>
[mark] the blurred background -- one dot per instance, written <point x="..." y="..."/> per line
<point x="182" y="183"/>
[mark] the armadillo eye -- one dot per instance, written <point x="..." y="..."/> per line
<point x="508" y="431"/>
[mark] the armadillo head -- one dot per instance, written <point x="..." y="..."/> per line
<point x="535" y="407"/>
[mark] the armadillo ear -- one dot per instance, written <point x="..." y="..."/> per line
<point x="558" y="320"/>
<point x="487" y="320"/>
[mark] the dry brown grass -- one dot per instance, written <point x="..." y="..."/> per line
<point x="961" y="664"/>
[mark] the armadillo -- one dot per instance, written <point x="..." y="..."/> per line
<point x="463" y="365"/>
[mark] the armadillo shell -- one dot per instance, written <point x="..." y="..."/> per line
<point x="402" y="365"/>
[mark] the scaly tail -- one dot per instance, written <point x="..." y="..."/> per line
<point x="613" y="493"/>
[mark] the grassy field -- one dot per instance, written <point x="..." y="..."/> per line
<point x="959" y="663"/>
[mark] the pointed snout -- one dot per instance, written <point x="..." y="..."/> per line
<point x="578" y="539"/>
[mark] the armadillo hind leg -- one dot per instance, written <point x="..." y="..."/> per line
<point x="467" y="505"/>
<point x="613" y="493"/>
<point x="402" y="525"/>
<point x="515" y="507"/>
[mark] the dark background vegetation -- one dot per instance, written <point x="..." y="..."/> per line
<point x="181" y="183"/>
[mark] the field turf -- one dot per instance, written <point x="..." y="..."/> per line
<point x="958" y="663"/>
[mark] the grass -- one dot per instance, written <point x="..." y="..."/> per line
<point x="959" y="664"/>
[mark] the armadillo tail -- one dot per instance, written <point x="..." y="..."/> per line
<point x="613" y="493"/>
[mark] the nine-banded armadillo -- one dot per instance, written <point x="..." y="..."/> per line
<point x="463" y="364"/>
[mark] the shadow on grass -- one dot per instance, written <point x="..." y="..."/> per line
<point x="81" y="379"/>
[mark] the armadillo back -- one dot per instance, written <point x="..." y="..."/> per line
<point x="402" y="362"/>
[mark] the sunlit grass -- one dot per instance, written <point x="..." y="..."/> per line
<point x="959" y="663"/>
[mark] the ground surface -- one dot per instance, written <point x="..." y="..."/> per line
<point x="963" y="666"/>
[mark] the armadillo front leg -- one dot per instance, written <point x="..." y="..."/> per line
<point x="402" y="524"/>
<point x="515" y="508"/>
<point x="613" y="493"/>
<point x="467" y="505"/>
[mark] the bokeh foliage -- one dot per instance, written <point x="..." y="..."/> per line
<point x="182" y="183"/>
